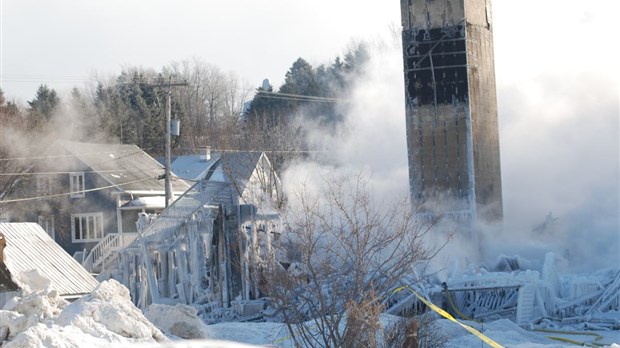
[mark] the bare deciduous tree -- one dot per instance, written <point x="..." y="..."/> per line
<point x="346" y="254"/>
<point x="211" y="104"/>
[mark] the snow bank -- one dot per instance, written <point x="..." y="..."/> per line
<point x="21" y="313"/>
<point x="179" y="320"/>
<point x="108" y="310"/>
<point x="42" y="304"/>
<point x="41" y="318"/>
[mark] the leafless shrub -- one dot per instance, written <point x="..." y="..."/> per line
<point x="420" y="331"/>
<point x="346" y="254"/>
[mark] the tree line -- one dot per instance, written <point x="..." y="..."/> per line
<point x="215" y="109"/>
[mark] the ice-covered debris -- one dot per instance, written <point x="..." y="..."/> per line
<point x="179" y="320"/>
<point x="297" y="269"/>
<point x="109" y="308"/>
<point x="511" y="263"/>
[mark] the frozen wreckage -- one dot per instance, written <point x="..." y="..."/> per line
<point x="526" y="297"/>
<point x="205" y="249"/>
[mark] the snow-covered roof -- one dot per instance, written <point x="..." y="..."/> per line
<point x="236" y="168"/>
<point x="29" y="247"/>
<point x="193" y="167"/>
<point x="124" y="165"/>
<point x="232" y="167"/>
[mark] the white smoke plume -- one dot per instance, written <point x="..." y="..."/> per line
<point x="371" y="138"/>
<point x="560" y="151"/>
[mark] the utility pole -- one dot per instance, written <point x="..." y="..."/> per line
<point x="168" y="183"/>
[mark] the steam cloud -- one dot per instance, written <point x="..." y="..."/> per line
<point x="559" y="151"/>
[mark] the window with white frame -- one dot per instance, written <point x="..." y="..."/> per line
<point x="44" y="185"/>
<point x="86" y="227"/>
<point x="47" y="222"/>
<point x="77" y="185"/>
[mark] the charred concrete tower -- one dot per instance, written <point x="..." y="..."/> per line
<point x="451" y="106"/>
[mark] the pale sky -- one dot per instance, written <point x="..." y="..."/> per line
<point x="49" y="41"/>
<point x="61" y="42"/>
<point x="556" y="70"/>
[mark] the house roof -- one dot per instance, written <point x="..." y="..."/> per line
<point x="29" y="247"/>
<point x="193" y="167"/>
<point x="123" y="165"/>
<point x="232" y="167"/>
<point x="235" y="167"/>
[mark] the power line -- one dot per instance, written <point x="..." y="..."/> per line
<point x="300" y="97"/>
<point x="57" y="173"/>
<point x="68" y="78"/>
<point x="71" y="193"/>
<point x="294" y="99"/>
<point x="130" y="153"/>
<point x="69" y="156"/>
<point x="267" y="151"/>
<point x="42" y="78"/>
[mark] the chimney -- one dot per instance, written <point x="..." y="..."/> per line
<point x="206" y="154"/>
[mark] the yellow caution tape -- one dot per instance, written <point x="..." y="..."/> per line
<point x="455" y="308"/>
<point x="281" y="340"/>
<point x="447" y="315"/>
<point x="595" y="342"/>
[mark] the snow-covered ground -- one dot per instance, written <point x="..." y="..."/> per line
<point x="107" y="317"/>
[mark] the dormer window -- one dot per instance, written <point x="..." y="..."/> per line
<point x="77" y="185"/>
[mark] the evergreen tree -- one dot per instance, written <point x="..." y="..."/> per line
<point x="44" y="103"/>
<point x="10" y="115"/>
<point x="337" y="77"/>
<point x="105" y="103"/>
<point x="265" y="110"/>
<point x="142" y="121"/>
<point x="82" y="117"/>
<point x="355" y="60"/>
<point x="269" y="109"/>
<point x="300" y="79"/>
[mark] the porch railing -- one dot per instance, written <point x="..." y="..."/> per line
<point x="110" y="244"/>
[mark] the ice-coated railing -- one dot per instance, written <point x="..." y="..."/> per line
<point x="109" y="244"/>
